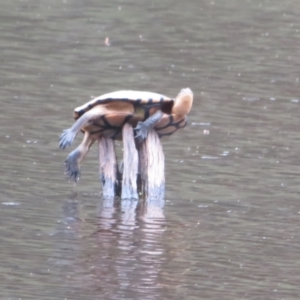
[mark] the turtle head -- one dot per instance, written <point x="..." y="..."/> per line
<point x="183" y="102"/>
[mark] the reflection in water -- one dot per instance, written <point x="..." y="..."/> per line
<point x="123" y="258"/>
<point x="67" y="236"/>
<point x="130" y="238"/>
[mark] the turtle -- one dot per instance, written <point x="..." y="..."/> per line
<point x="106" y="115"/>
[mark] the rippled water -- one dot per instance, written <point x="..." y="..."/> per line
<point x="229" y="226"/>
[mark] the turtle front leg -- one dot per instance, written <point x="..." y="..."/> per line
<point x="142" y="128"/>
<point x="68" y="135"/>
<point x="72" y="163"/>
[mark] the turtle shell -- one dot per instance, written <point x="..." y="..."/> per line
<point x="136" y="98"/>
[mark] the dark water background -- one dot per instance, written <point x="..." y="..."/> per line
<point x="230" y="227"/>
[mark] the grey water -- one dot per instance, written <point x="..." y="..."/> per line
<point x="229" y="225"/>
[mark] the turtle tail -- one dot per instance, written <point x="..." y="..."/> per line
<point x="67" y="137"/>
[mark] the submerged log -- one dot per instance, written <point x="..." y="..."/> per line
<point x="108" y="168"/>
<point x="151" y="180"/>
<point x="130" y="164"/>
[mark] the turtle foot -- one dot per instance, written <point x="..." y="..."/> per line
<point x="66" y="139"/>
<point x="72" y="166"/>
<point x="141" y="131"/>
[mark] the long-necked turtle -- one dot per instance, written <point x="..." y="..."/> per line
<point x="106" y="115"/>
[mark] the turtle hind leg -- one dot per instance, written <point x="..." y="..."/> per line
<point x="142" y="128"/>
<point x="67" y="137"/>
<point x="72" y="163"/>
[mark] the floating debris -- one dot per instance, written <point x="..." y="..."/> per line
<point x="106" y="41"/>
<point x="251" y="99"/>
<point x="200" y="124"/>
<point x="10" y="203"/>
<point x="210" y="157"/>
<point x="225" y="153"/>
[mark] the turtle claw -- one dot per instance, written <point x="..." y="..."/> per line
<point x="141" y="131"/>
<point x="66" y="139"/>
<point x="72" y="167"/>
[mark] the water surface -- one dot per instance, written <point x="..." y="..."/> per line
<point x="229" y="225"/>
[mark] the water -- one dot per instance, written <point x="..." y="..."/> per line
<point x="229" y="226"/>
